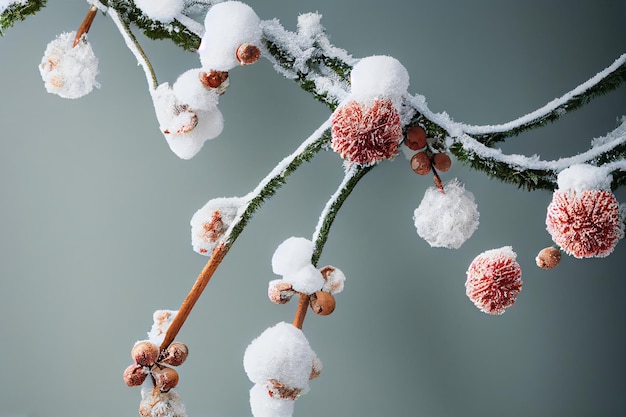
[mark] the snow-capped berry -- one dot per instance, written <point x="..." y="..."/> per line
<point x="134" y="375"/>
<point x="420" y="163"/>
<point x="165" y="378"/>
<point x="247" y="53"/>
<point x="227" y="26"/>
<point x="447" y="219"/>
<point x="175" y="354"/>
<point x="379" y="76"/>
<point x="366" y="132"/>
<point x="215" y="79"/>
<point x="279" y="291"/>
<point x="585" y="224"/>
<point x="441" y="162"/>
<point x="334" y="279"/>
<point x="494" y="280"/>
<point x="190" y="90"/>
<point x="145" y="353"/>
<point x="161" y="10"/>
<point x="548" y="258"/>
<point x="415" y="138"/>
<point x="292" y="255"/>
<point x="322" y="303"/>
<point x="210" y="222"/>
<point x="69" y="72"/>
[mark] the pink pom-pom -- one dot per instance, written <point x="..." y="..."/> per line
<point x="585" y="224"/>
<point x="494" y="280"/>
<point x="366" y="133"/>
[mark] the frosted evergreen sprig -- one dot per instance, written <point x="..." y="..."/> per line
<point x="18" y="10"/>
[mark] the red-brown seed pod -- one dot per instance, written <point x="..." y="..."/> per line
<point x="415" y="138"/>
<point x="134" y="375"/>
<point x="548" y="258"/>
<point x="145" y="353"/>
<point x="247" y="53"/>
<point x="213" y="79"/>
<point x="322" y="303"/>
<point x="442" y="162"/>
<point x="420" y="163"/>
<point x="165" y="378"/>
<point x="175" y="354"/>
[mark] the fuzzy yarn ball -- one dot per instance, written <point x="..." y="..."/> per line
<point x="494" y="280"/>
<point x="585" y="224"/>
<point x="366" y="133"/>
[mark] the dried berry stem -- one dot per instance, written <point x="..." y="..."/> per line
<point x="201" y="282"/>
<point x="303" y="305"/>
<point x="86" y="24"/>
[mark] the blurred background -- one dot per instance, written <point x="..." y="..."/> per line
<point x="95" y="229"/>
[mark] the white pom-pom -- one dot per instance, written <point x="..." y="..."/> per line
<point x="281" y="353"/>
<point x="306" y="280"/>
<point x="189" y="90"/>
<point x="583" y="177"/>
<point x="228" y="25"/>
<point x="379" y="75"/>
<point x="262" y="405"/>
<point x="161" y="10"/>
<point x="69" y="72"/>
<point x="292" y="255"/>
<point x="209" y="223"/>
<point x="447" y="220"/>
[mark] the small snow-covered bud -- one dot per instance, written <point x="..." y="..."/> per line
<point x="165" y="378"/>
<point x="441" y="162"/>
<point x="316" y="369"/>
<point x="161" y="322"/>
<point x="306" y="280"/>
<point x="210" y="222"/>
<point x="322" y="303"/>
<point x="145" y="353"/>
<point x="227" y="26"/>
<point x="291" y="255"/>
<point x="447" y="219"/>
<point x="279" y="291"/>
<point x="134" y="375"/>
<point x="366" y="132"/>
<point x="69" y="72"/>
<point x="494" y="280"/>
<point x="334" y="279"/>
<point x="548" y="258"/>
<point x="415" y="138"/>
<point x="162" y="10"/>
<point x="379" y="75"/>
<point x="190" y="89"/>
<point x="420" y="163"/>
<point x="248" y="54"/>
<point x="217" y="80"/>
<point x="175" y="354"/>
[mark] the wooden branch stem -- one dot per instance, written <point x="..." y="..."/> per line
<point x="86" y="24"/>
<point x="303" y="306"/>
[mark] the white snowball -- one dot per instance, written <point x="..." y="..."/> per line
<point x="282" y="353"/>
<point x="228" y="25"/>
<point x="262" y="405"/>
<point x="582" y="177"/>
<point x="306" y="280"/>
<point x="189" y="90"/>
<point x="209" y="223"/>
<point x="379" y="75"/>
<point x="447" y="220"/>
<point x="69" y="72"/>
<point x="161" y="10"/>
<point x="292" y="255"/>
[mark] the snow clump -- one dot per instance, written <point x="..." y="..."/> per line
<point x="292" y="260"/>
<point x="162" y="10"/>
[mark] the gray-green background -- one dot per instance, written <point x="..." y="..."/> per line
<point x="95" y="225"/>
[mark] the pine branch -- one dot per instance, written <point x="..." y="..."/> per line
<point x="16" y="12"/>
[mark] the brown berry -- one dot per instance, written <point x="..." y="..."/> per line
<point x="175" y="354"/>
<point x="214" y="79"/>
<point x="145" y="353"/>
<point x="247" y="53"/>
<point x="134" y="375"/>
<point x="548" y="258"/>
<point x="165" y="378"/>
<point x="322" y="303"/>
<point x="420" y="163"/>
<point x="442" y="162"/>
<point x="415" y="138"/>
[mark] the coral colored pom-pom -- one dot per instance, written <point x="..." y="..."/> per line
<point x="494" y="280"/>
